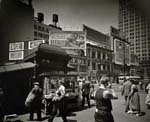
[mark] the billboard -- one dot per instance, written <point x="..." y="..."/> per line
<point x="16" y="55"/>
<point x="121" y="52"/>
<point x="16" y="46"/>
<point x="34" y="43"/>
<point x="69" y="40"/>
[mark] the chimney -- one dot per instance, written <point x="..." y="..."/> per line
<point x="30" y="2"/>
<point x="40" y="17"/>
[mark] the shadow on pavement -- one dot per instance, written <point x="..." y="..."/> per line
<point x="142" y="113"/>
<point x="71" y="114"/>
<point x="69" y="120"/>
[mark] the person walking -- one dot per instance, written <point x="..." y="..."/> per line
<point x="58" y="103"/>
<point x="147" y="101"/>
<point x="103" y="98"/>
<point x="36" y="102"/>
<point x="134" y="101"/>
<point x="126" y="90"/>
<point x="1" y="104"/>
<point x="86" y="88"/>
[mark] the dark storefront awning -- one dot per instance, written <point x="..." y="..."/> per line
<point x="16" y="67"/>
<point x="47" y="51"/>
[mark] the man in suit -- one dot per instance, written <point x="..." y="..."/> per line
<point x="86" y="87"/>
<point x="126" y="90"/>
<point x="36" y="104"/>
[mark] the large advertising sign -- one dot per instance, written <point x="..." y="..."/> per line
<point x="121" y="50"/>
<point x="34" y="43"/>
<point x="16" y="46"/>
<point x="69" y="40"/>
<point x="16" y="55"/>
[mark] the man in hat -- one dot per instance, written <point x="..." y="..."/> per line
<point x="58" y="103"/>
<point x="103" y="102"/>
<point x="126" y="90"/>
<point x="1" y="104"/>
<point x="86" y="87"/>
<point x="36" y="104"/>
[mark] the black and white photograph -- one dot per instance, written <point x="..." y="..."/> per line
<point x="74" y="61"/>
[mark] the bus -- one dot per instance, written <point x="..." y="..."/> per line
<point x="135" y="78"/>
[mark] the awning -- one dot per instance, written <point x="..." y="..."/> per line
<point x="15" y="67"/>
<point x="47" y="51"/>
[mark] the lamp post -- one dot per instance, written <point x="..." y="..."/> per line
<point x="124" y="59"/>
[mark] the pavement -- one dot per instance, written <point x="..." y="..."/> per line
<point x="87" y="114"/>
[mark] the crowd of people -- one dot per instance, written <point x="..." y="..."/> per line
<point x="102" y="97"/>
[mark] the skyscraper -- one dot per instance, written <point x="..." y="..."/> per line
<point x="137" y="28"/>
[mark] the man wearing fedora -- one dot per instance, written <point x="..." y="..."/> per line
<point x="36" y="103"/>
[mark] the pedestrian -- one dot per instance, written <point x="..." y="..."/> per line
<point x="126" y="90"/>
<point x="36" y="102"/>
<point x="103" y="98"/>
<point x="141" y="84"/>
<point x="134" y="101"/>
<point x="86" y="88"/>
<point x="58" y="103"/>
<point x="1" y="104"/>
<point x="147" y="101"/>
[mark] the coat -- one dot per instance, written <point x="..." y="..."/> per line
<point x="126" y="88"/>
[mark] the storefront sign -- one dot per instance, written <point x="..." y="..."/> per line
<point x="16" y="46"/>
<point x="16" y="55"/>
<point x="34" y="44"/>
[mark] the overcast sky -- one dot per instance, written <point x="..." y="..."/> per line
<point x="97" y="14"/>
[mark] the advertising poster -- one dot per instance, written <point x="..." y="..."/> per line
<point x="16" y="55"/>
<point x="68" y="40"/>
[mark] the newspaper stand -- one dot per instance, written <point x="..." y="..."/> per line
<point x="52" y="65"/>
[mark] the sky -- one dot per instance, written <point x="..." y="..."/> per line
<point x="97" y="14"/>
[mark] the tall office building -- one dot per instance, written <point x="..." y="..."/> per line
<point x="137" y="28"/>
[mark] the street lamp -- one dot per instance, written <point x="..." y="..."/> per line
<point x="124" y="55"/>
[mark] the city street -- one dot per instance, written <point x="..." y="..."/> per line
<point x="87" y="114"/>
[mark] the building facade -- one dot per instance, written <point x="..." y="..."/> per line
<point x="137" y="28"/>
<point x="98" y="53"/>
<point x="90" y="51"/>
<point x="17" y="27"/>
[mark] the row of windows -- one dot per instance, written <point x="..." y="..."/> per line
<point x="36" y="34"/>
<point x="78" y="61"/>
<point x="40" y="28"/>
<point x="98" y="55"/>
<point x="102" y="67"/>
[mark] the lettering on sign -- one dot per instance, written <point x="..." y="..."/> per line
<point x="16" y="46"/>
<point x="34" y="44"/>
<point x="16" y="55"/>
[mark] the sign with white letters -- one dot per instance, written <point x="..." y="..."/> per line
<point x="16" y="55"/>
<point x="34" y="43"/>
<point x="16" y="46"/>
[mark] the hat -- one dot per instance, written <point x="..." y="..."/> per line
<point x="36" y="83"/>
<point x="60" y="81"/>
<point x="104" y="79"/>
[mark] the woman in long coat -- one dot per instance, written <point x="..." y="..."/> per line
<point x="134" y="101"/>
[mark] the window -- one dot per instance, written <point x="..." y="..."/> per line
<point x="93" y="66"/>
<point x="104" y="56"/>
<point x="93" y="54"/>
